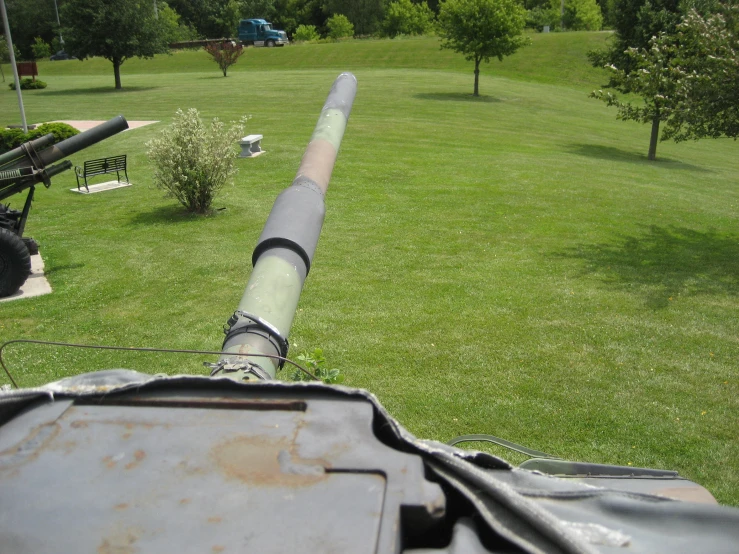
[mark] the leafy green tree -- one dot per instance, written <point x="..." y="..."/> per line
<point x="580" y="15"/>
<point x="29" y="19"/>
<point x="306" y="33"/>
<point x="113" y="29"/>
<point x="365" y="15"/>
<point x="173" y="28"/>
<point x="403" y="17"/>
<point x="650" y="77"/>
<point x="40" y="49"/>
<point x="339" y="26"/>
<point x="705" y="53"/>
<point x="482" y="29"/>
<point x="636" y="22"/>
<point x="210" y="18"/>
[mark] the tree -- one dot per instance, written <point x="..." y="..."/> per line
<point x="636" y="66"/>
<point x="40" y="49"/>
<point x="687" y="76"/>
<point x="482" y="29"/>
<point x="113" y="29"/>
<point x="636" y="22"/>
<point x="650" y="77"/>
<point x="365" y="15"/>
<point x="225" y="54"/>
<point x="339" y="26"/>
<point x="403" y="17"/>
<point x="705" y="50"/>
<point x="29" y="19"/>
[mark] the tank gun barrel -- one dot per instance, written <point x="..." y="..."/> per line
<point x="284" y="251"/>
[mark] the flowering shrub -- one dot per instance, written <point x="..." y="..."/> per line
<point x="193" y="160"/>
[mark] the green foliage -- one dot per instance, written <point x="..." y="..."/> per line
<point x="29" y="84"/>
<point x="687" y="77"/>
<point x="705" y="68"/>
<point x="365" y="15"/>
<point x="225" y="54"/>
<point x="339" y="27"/>
<point x="29" y="19"/>
<point x="314" y="362"/>
<point x="211" y="18"/>
<point x="635" y="22"/>
<point x="306" y="33"/>
<point x="193" y="161"/>
<point x="61" y="131"/>
<point x="403" y="17"/>
<point x="172" y="28"/>
<point x="482" y="29"/>
<point x="5" y="52"/>
<point x="13" y="138"/>
<point x="579" y="15"/>
<point x="40" y="49"/>
<point x="113" y="29"/>
<point x="539" y="17"/>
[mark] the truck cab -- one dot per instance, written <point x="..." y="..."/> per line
<point x="259" y="32"/>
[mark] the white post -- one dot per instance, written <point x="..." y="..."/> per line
<point x="11" y="52"/>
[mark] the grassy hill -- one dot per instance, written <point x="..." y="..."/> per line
<point x="509" y="264"/>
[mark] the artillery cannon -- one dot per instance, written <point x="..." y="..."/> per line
<point x="22" y="169"/>
<point x="120" y="461"/>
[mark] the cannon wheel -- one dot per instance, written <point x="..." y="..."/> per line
<point x="15" y="262"/>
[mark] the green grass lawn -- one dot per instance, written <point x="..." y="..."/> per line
<point x="510" y="264"/>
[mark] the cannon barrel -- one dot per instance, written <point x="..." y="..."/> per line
<point x="284" y="251"/>
<point x="67" y="147"/>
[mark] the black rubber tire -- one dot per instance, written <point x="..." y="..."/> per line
<point x="31" y="244"/>
<point x="270" y="44"/>
<point x="15" y="263"/>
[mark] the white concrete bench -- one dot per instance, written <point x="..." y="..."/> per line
<point x="250" y="146"/>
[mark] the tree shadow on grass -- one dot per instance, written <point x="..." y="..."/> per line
<point x="665" y="262"/>
<point x="97" y="90"/>
<point x="455" y="97"/>
<point x="616" y="154"/>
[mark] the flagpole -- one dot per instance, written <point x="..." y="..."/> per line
<point x="11" y="52"/>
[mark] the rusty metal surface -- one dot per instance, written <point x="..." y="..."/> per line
<point x="187" y="472"/>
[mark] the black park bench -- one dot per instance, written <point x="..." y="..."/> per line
<point x="115" y="164"/>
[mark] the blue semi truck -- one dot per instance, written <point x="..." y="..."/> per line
<point x="259" y="32"/>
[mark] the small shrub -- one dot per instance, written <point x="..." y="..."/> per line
<point x="193" y="161"/>
<point x="40" y="49"/>
<point x="225" y="54"/>
<point x="29" y="84"/>
<point x="13" y="138"/>
<point x="306" y="33"/>
<point x="339" y="26"/>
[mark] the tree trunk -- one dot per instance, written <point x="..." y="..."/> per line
<point x="117" y="72"/>
<point x="653" y="140"/>
<point x="477" y="77"/>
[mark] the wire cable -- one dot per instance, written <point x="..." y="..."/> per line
<point x="141" y="349"/>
